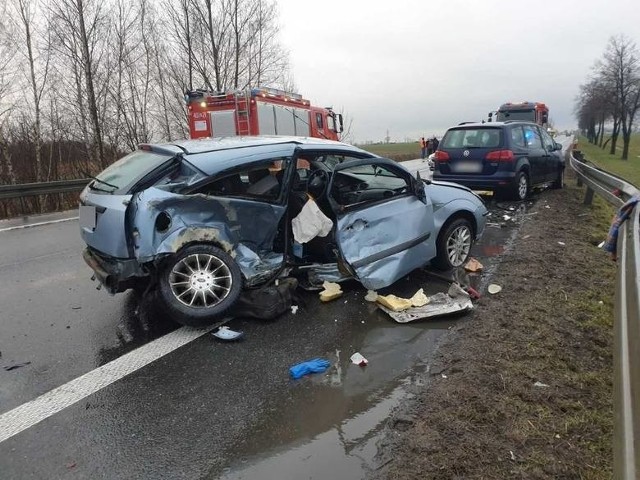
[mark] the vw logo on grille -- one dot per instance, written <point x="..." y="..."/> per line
<point x="465" y="153"/>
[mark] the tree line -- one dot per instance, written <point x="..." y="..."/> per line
<point x="82" y="81"/>
<point x="611" y="96"/>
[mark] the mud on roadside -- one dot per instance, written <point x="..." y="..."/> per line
<point x="524" y="388"/>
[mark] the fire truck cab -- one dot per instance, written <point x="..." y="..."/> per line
<point x="258" y="111"/>
<point x="525" y="111"/>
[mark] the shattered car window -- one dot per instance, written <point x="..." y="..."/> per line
<point x="183" y="174"/>
<point x="260" y="180"/>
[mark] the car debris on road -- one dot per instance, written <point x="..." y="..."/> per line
<point x="473" y="265"/>
<point x="15" y="366"/>
<point x="358" y="359"/>
<point x="228" y="335"/>
<point x="331" y="292"/>
<point x="456" y="300"/>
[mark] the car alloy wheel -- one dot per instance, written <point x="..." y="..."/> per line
<point x="200" y="280"/>
<point x="458" y="245"/>
<point x="523" y="186"/>
<point x="199" y="283"/>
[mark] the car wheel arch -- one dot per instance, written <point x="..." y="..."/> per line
<point x="210" y="235"/>
<point x="464" y="214"/>
<point x="523" y="165"/>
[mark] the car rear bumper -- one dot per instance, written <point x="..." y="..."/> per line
<point x="116" y="275"/>
<point x="482" y="182"/>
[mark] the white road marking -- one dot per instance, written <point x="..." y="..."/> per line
<point x="39" y="224"/>
<point x="33" y="412"/>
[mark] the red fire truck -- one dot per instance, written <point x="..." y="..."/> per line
<point x="533" y="112"/>
<point x="258" y="111"/>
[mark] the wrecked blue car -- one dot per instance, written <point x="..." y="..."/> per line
<point x="201" y="220"/>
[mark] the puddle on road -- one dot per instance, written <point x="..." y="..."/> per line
<point x="340" y="452"/>
<point x="351" y="404"/>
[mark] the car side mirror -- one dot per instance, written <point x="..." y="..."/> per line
<point x="558" y="146"/>
<point x="418" y="188"/>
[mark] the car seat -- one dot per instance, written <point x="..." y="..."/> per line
<point x="263" y="184"/>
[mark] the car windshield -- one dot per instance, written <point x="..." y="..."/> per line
<point x="528" y="115"/>
<point x="472" y="138"/>
<point x="131" y="168"/>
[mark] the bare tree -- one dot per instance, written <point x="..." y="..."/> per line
<point x="38" y="71"/>
<point x="81" y="30"/>
<point x="620" y="71"/>
<point x="7" y="74"/>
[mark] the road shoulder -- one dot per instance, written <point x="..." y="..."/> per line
<point x="524" y="388"/>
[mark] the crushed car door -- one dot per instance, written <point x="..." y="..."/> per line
<point x="384" y="220"/>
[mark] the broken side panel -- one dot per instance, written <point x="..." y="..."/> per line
<point x="386" y="241"/>
<point x="164" y="222"/>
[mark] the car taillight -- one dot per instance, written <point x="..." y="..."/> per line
<point x="500" y="156"/>
<point x="441" y="156"/>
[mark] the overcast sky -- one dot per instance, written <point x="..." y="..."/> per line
<point x="416" y="67"/>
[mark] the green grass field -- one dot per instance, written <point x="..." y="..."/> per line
<point x="392" y="150"/>
<point x="628" y="169"/>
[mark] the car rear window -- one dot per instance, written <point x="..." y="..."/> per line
<point x="132" y="167"/>
<point x="472" y="138"/>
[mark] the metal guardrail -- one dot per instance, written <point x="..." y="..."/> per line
<point x="626" y="441"/>
<point x="44" y="188"/>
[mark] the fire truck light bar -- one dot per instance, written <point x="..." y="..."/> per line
<point x="264" y="91"/>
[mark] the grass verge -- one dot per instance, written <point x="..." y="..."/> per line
<point x="524" y="389"/>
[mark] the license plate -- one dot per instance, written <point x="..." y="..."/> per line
<point x="87" y="216"/>
<point x="468" y="167"/>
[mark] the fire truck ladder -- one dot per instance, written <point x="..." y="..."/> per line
<point x="243" y="101"/>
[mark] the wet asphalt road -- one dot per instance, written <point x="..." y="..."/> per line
<point x="207" y="409"/>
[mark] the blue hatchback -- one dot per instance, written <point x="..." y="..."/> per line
<point x="507" y="157"/>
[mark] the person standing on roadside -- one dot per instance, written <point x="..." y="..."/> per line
<point x="435" y="143"/>
<point x="423" y="147"/>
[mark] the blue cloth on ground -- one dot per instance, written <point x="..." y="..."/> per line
<point x="620" y="217"/>
<point x="317" y="365"/>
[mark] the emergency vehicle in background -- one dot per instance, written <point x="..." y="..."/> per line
<point x="528" y="111"/>
<point x="258" y="111"/>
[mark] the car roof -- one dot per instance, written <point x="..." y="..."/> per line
<point x="213" y="155"/>
<point x="489" y="124"/>
<point x="190" y="146"/>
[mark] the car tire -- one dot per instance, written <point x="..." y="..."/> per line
<point x="199" y="284"/>
<point x="559" y="181"/>
<point x="453" y="244"/>
<point x="521" y="187"/>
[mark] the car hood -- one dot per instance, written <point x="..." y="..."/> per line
<point x="442" y="193"/>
